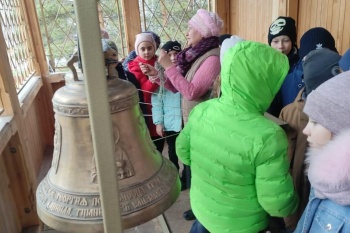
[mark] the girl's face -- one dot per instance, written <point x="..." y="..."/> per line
<point x="193" y="37"/>
<point x="282" y="44"/>
<point x="317" y="135"/>
<point x="146" y="50"/>
<point x="172" y="54"/>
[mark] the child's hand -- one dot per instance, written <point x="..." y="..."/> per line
<point x="164" y="59"/>
<point x="160" y="130"/>
<point x="148" y="69"/>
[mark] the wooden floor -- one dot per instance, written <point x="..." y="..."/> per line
<point x="169" y="222"/>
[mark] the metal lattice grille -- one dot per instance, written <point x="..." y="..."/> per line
<point x="168" y="18"/>
<point x="17" y="38"/>
<point x="59" y="31"/>
<point x="112" y="22"/>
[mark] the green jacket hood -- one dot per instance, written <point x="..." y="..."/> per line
<point x="251" y="75"/>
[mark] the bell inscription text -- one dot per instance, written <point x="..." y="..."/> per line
<point x="88" y="207"/>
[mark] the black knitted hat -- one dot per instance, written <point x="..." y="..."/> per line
<point x="283" y="26"/>
<point x="172" y="46"/>
<point x="316" y="38"/>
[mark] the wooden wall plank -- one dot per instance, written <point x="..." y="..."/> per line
<point x="251" y="19"/>
<point x="275" y="9"/>
<point x="330" y="14"/>
<point x="36" y="143"/>
<point x="340" y="28"/>
<point x="22" y="192"/>
<point x="250" y="28"/>
<point x="335" y="19"/>
<point x="345" y="44"/>
<point x="307" y="20"/>
<point x="321" y="9"/>
<point x="9" y="217"/>
<point x="293" y="9"/>
<point x="234" y="9"/>
<point x="301" y="16"/>
<point x="312" y="14"/>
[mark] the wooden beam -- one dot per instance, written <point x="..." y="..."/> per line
<point x="5" y="97"/>
<point x="100" y="16"/>
<point x="37" y="43"/>
<point x="132" y="21"/>
<point x="99" y="112"/>
<point x="43" y="68"/>
<point x="222" y="8"/>
<point x="9" y="94"/>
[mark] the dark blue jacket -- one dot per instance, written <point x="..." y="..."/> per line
<point x="131" y="56"/>
<point x="291" y="86"/>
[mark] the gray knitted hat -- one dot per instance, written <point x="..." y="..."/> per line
<point x="319" y="66"/>
<point x="329" y="104"/>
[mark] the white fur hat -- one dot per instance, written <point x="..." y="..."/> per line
<point x="228" y="43"/>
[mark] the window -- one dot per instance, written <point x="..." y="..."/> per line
<point x="16" y="33"/>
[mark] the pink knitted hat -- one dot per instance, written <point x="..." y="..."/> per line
<point x="144" y="37"/>
<point x="206" y="23"/>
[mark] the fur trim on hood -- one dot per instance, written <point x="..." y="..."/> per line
<point x="329" y="169"/>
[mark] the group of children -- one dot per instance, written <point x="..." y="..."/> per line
<point x="318" y="61"/>
<point x="245" y="169"/>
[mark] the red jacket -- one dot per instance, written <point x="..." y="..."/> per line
<point x="147" y="87"/>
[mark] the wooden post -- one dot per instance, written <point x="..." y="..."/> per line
<point x="99" y="112"/>
<point x="100" y="16"/>
<point x="7" y="86"/>
<point x="132" y="21"/>
<point x="222" y="8"/>
<point x="34" y="29"/>
<point x="43" y="68"/>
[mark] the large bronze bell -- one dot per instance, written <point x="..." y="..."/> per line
<point x="68" y="198"/>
